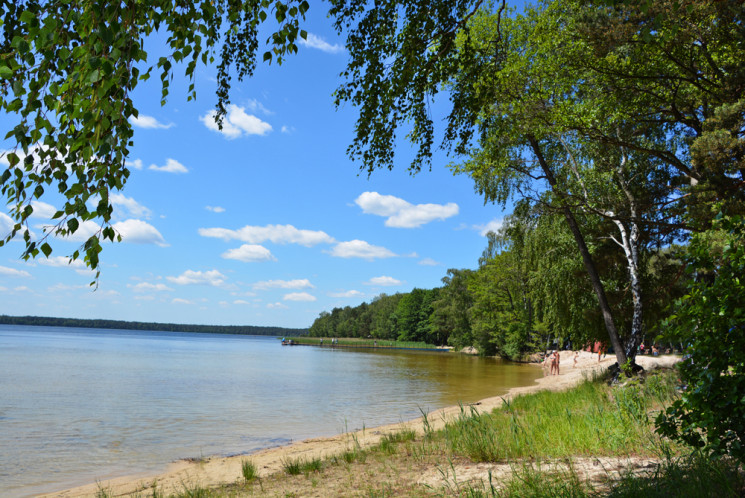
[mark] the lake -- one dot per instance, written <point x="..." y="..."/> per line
<point x="80" y="405"/>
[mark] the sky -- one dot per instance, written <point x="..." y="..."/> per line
<point x="267" y="222"/>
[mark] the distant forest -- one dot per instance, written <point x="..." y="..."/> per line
<point x="158" y="327"/>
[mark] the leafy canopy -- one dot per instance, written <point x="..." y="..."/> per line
<point x="67" y="72"/>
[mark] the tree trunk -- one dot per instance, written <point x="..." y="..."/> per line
<point x="597" y="284"/>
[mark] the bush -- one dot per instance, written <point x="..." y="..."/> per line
<point x="711" y="318"/>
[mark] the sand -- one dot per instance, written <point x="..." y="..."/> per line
<point x="216" y="471"/>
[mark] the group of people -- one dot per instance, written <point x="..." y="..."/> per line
<point x="551" y="361"/>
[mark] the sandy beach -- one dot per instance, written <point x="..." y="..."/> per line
<point x="216" y="471"/>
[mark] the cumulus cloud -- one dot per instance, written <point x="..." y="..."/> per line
<point x="303" y="283"/>
<point x="191" y="277"/>
<point x="384" y="281"/>
<point x="171" y="166"/>
<point x="428" y="262"/>
<point x="12" y="272"/>
<point x="148" y="287"/>
<point x="349" y="293"/>
<point x="133" y="207"/>
<point x="86" y="230"/>
<point x="178" y="300"/>
<point x="43" y="210"/>
<point x="287" y="129"/>
<point x="493" y="226"/>
<point x="402" y="214"/>
<point x="237" y="123"/>
<point x="314" y="41"/>
<point x="63" y="262"/>
<point x="249" y="253"/>
<point x="279" y="234"/>
<point x="360" y="249"/>
<point x="6" y="224"/>
<point x="279" y="306"/>
<point x="135" y="163"/>
<point x="139" y="232"/>
<point x="215" y="209"/>
<point x="143" y="121"/>
<point x="299" y="296"/>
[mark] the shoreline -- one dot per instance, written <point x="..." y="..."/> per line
<point x="213" y="471"/>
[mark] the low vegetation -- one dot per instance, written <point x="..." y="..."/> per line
<point x="593" y="440"/>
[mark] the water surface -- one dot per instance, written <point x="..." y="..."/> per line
<point x="79" y="405"/>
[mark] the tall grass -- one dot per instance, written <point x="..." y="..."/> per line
<point x="352" y="342"/>
<point x="591" y="419"/>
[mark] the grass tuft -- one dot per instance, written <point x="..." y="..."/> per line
<point x="249" y="470"/>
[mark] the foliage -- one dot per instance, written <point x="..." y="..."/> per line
<point x="67" y="73"/>
<point x="711" y="320"/>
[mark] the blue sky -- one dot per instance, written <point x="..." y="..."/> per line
<point x="265" y="223"/>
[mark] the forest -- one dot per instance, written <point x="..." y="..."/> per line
<point x="149" y="326"/>
<point x="527" y="294"/>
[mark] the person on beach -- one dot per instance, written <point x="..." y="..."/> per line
<point x="576" y="357"/>
<point x="557" y="360"/>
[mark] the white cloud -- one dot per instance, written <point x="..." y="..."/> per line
<point x="6" y="224"/>
<point x="139" y="232"/>
<point x="284" y="284"/>
<point x="12" y="272"/>
<point x="384" y="281"/>
<point x="314" y="41"/>
<point x="402" y="214"/>
<point x="136" y="163"/>
<point x="279" y="306"/>
<point x="135" y="209"/>
<point x="279" y="234"/>
<point x="254" y="105"/>
<point x="493" y="226"/>
<point x="143" y="121"/>
<point x="299" y="296"/>
<point x="3" y="289"/>
<point x="178" y="300"/>
<point x="43" y="210"/>
<point x="171" y="166"/>
<point x="360" y="249"/>
<point x="240" y="301"/>
<point x="86" y="230"/>
<point x="287" y="129"/>
<point x="249" y="253"/>
<point x="191" y="277"/>
<point x="215" y="209"/>
<point x="148" y="287"/>
<point x="62" y="262"/>
<point x="429" y="262"/>
<point x="237" y="123"/>
<point x="349" y="293"/>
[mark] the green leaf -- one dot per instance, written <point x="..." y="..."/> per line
<point x="5" y="72"/>
<point x="46" y="249"/>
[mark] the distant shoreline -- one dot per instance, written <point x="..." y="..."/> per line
<point x="87" y="323"/>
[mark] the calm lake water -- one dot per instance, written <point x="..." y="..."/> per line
<point x="80" y="405"/>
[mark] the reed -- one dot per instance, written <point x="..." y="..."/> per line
<point x="591" y="419"/>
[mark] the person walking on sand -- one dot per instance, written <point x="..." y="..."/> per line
<point x="546" y="363"/>
<point x="576" y="357"/>
<point x="557" y="360"/>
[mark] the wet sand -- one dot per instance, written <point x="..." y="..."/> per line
<point x="215" y="471"/>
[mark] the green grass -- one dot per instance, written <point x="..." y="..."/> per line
<point x="249" y="471"/>
<point x="591" y="419"/>
<point x="352" y="342"/>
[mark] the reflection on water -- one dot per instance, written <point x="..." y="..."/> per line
<point x="77" y="405"/>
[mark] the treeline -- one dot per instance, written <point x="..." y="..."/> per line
<point x="529" y="292"/>
<point x="151" y="326"/>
